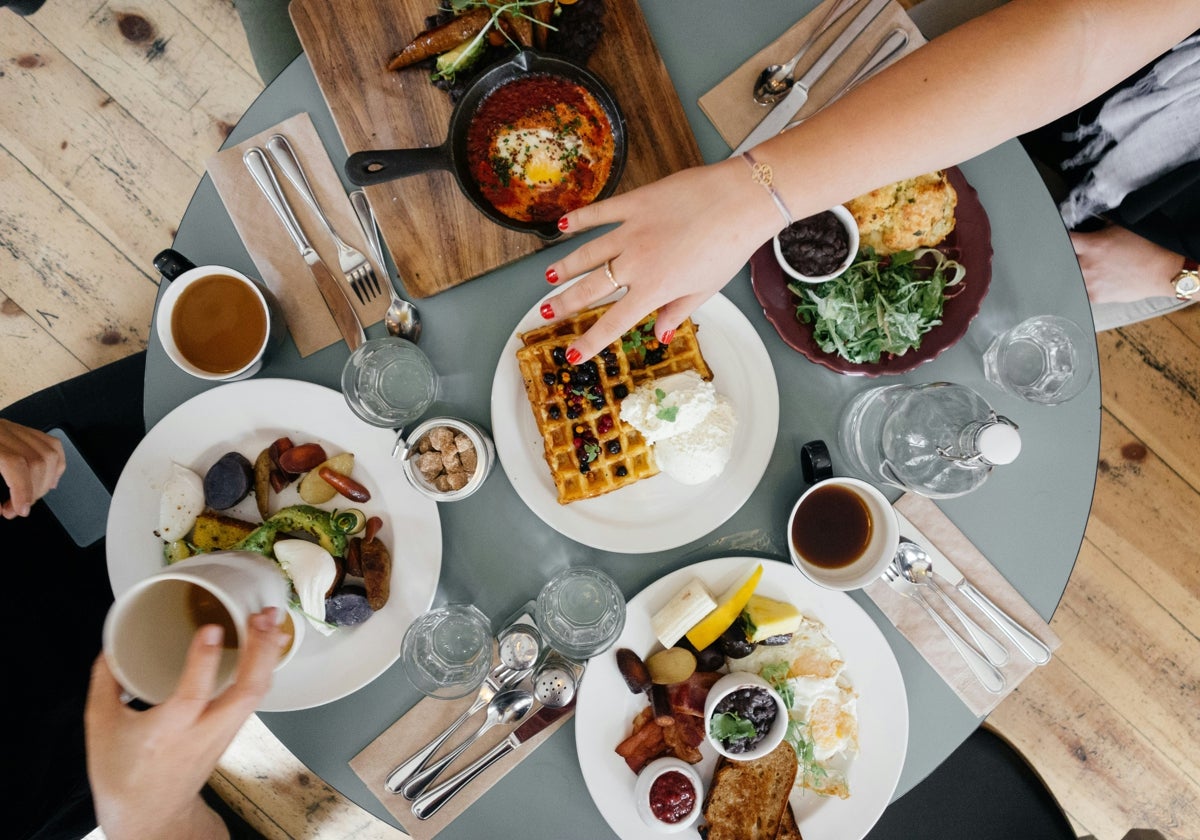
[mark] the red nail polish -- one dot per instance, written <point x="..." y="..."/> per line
<point x="562" y="223"/>
<point x="574" y="357"/>
<point x="547" y="311"/>
<point x="551" y="276"/>
<point x="667" y="336"/>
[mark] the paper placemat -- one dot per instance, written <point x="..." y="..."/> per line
<point x="923" y="522"/>
<point x="421" y="724"/>
<point x="730" y="106"/>
<point x="275" y="256"/>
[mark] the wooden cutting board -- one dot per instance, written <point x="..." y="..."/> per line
<point x="436" y="236"/>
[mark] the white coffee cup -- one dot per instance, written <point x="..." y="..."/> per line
<point x="149" y="628"/>
<point x="216" y="323"/>
<point x="828" y="541"/>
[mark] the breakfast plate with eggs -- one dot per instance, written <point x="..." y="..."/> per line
<point x="857" y="670"/>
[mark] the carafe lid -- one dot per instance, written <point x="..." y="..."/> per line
<point x="999" y="442"/>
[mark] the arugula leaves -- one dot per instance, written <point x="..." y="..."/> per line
<point x="728" y="727"/>
<point x="881" y="304"/>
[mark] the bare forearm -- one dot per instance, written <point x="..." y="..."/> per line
<point x="995" y="77"/>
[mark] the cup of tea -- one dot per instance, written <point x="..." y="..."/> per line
<point x="216" y="323"/>
<point x="842" y="532"/>
<point x="149" y="628"/>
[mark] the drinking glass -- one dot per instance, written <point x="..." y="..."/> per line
<point x="581" y="612"/>
<point x="389" y="382"/>
<point x="447" y="651"/>
<point x="1042" y="360"/>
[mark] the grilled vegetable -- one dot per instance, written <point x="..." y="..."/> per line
<point x="442" y="38"/>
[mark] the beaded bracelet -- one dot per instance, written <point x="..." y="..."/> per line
<point x="761" y="173"/>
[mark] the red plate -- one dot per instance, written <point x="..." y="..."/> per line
<point x="970" y="244"/>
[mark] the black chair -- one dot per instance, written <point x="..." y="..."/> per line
<point x="985" y="790"/>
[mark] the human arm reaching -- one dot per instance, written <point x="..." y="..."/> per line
<point x="147" y="768"/>
<point x="680" y="239"/>
<point x="31" y="463"/>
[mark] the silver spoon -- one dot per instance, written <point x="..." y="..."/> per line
<point x="918" y="568"/>
<point x="401" y="319"/>
<point x="506" y="707"/>
<point x="776" y="79"/>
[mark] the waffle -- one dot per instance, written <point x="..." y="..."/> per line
<point x="589" y="449"/>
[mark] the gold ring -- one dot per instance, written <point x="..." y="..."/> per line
<point x="608" y="272"/>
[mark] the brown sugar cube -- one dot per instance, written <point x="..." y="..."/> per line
<point x="442" y="483"/>
<point x="429" y="464"/>
<point x="469" y="460"/>
<point x="442" y="438"/>
<point x="457" y="480"/>
<point x="463" y="443"/>
<point x="423" y="445"/>
<point x="450" y="461"/>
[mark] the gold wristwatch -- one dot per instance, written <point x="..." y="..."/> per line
<point x="1187" y="281"/>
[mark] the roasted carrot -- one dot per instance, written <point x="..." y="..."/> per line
<point x="442" y="38"/>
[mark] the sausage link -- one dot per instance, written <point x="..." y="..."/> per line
<point x="345" y="485"/>
<point x="302" y="458"/>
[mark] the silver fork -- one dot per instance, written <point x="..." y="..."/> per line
<point x="987" y="673"/>
<point x="500" y="679"/>
<point x="359" y="273"/>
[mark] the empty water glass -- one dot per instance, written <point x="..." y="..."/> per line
<point x="580" y="612"/>
<point x="389" y="382"/>
<point x="447" y="651"/>
<point x="1043" y="359"/>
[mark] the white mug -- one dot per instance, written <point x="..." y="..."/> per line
<point x="149" y="628"/>
<point x="862" y="559"/>
<point x="216" y="323"/>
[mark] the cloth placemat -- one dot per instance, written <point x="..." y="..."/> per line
<point x="923" y="522"/>
<point x="275" y="256"/>
<point x="730" y="105"/>
<point x="416" y="728"/>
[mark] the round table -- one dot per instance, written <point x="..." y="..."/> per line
<point x="1029" y="517"/>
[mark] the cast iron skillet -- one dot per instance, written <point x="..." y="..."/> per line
<point x="376" y="167"/>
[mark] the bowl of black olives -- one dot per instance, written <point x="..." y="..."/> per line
<point x="744" y="717"/>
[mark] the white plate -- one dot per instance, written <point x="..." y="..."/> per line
<point x="606" y="708"/>
<point x="246" y="417"/>
<point x="657" y="513"/>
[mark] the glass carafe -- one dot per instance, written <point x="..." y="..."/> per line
<point x="939" y="439"/>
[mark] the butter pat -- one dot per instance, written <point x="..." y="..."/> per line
<point x="682" y="613"/>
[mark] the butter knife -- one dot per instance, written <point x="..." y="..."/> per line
<point x="335" y="296"/>
<point x="786" y="109"/>
<point x="432" y="800"/>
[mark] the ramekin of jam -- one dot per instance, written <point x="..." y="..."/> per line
<point x="818" y="248"/>
<point x="744" y="717"/>
<point x="669" y="795"/>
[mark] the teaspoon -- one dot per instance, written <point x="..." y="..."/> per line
<point x="401" y="319"/>
<point x="776" y="79"/>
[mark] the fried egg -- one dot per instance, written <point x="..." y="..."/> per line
<point x="181" y="502"/>
<point x="538" y="157"/>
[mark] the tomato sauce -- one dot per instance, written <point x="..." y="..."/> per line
<point x="539" y="146"/>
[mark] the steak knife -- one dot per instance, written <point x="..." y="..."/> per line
<point x="786" y="108"/>
<point x="335" y="295"/>
<point x="429" y="803"/>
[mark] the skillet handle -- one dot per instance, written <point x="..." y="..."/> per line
<point x="367" y="168"/>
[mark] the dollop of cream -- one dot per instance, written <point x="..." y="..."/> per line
<point x="312" y="571"/>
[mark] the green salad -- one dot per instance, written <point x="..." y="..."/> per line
<point x="880" y="304"/>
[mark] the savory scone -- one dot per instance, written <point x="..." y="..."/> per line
<point x="913" y="213"/>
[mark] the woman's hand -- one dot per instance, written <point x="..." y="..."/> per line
<point x="678" y="241"/>
<point x="1120" y="266"/>
<point x="31" y="463"/>
<point x="147" y="768"/>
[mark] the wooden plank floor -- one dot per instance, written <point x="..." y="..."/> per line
<point x="107" y="113"/>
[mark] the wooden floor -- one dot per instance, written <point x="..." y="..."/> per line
<point x="107" y="114"/>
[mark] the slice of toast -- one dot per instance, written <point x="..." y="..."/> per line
<point x="788" y="830"/>
<point x="748" y="800"/>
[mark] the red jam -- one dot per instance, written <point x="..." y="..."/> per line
<point x="672" y="797"/>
